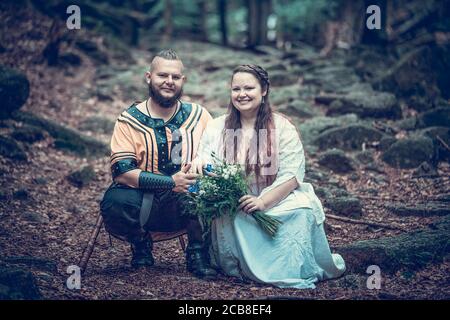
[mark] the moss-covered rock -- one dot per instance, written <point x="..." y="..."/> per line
<point x="28" y="134"/>
<point x="312" y="128"/>
<point x="386" y="142"/>
<point x="337" y="161"/>
<point x="407" y="123"/>
<point x="82" y="177"/>
<point x="37" y="263"/>
<point x="370" y="104"/>
<point x="412" y="250"/>
<point x="17" y="284"/>
<point x="430" y="208"/>
<point x="14" y="91"/>
<point x="440" y="137"/>
<point x="282" y="78"/>
<point x="66" y="138"/>
<point x="284" y="95"/>
<point x="97" y="124"/>
<point x="411" y="75"/>
<point x="11" y="149"/>
<point x="365" y="157"/>
<point x="299" y="109"/>
<point x="347" y="206"/>
<point x="439" y="117"/>
<point x="409" y="153"/>
<point x="349" y="137"/>
<point x="425" y="170"/>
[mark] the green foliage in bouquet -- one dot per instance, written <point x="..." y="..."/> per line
<point x="218" y="194"/>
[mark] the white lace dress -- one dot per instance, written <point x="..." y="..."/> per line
<point x="299" y="255"/>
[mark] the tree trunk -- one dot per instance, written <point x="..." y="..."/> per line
<point x="203" y="8"/>
<point x="168" y="14"/>
<point x="258" y="12"/>
<point x="222" y="7"/>
<point x="352" y="24"/>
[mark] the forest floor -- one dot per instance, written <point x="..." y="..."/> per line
<point x="65" y="94"/>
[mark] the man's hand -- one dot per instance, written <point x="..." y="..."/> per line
<point x="249" y="204"/>
<point x="183" y="179"/>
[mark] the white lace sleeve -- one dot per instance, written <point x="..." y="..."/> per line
<point x="291" y="157"/>
<point x="208" y="143"/>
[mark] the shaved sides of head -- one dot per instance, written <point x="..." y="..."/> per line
<point x="167" y="54"/>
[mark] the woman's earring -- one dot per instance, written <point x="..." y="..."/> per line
<point x="262" y="100"/>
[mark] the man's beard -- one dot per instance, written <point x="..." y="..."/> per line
<point x="161" y="100"/>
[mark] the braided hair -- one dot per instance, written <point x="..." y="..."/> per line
<point x="264" y="120"/>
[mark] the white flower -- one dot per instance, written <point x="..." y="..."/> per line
<point x="233" y="170"/>
<point x="226" y="176"/>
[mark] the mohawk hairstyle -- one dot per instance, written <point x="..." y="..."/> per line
<point x="168" y="54"/>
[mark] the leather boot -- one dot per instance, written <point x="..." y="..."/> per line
<point x="197" y="262"/>
<point x="142" y="253"/>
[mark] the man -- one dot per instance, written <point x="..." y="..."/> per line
<point x="151" y="149"/>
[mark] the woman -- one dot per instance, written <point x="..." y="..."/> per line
<point x="269" y="148"/>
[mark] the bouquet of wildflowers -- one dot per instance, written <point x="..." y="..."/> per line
<point x="218" y="192"/>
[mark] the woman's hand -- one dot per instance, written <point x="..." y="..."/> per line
<point x="197" y="166"/>
<point x="249" y="204"/>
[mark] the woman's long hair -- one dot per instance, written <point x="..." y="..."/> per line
<point x="266" y="151"/>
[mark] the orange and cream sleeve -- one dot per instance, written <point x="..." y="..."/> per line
<point x="123" y="150"/>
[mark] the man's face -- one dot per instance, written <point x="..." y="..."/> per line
<point x="166" y="81"/>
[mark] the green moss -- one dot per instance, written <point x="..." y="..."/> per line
<point x="411" y="251"/>
<point x="66" y="138"/>
<point x="11" y="149"/>
<point x="82" y="177"/>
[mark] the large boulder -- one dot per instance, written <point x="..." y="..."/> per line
<point x="368" y="104"/>
<point x="310" y="129"/>
<point x="441" y="138"/>
<point x="14" y="91"/>
<point x="349" y="137"/>
<point x="412" y="250"/>
<point x="409" y="153"/>
<point x="300" y="109"/>
<point x="439" y="117"/>
<point x="330" y="76"/>
<point x="17" y="284"/>
<point x="337" y="161"/>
